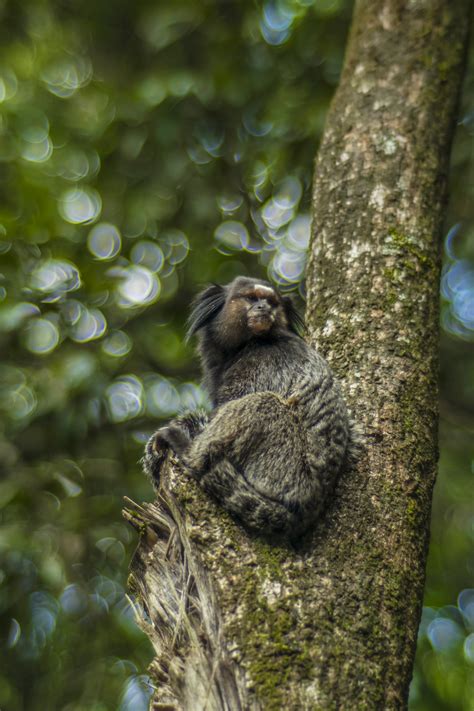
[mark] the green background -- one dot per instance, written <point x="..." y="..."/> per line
<point x="147" y="148"/>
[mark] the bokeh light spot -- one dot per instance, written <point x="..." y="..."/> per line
<point x="14" y="633"/>
<point x="32" y="125"/>
<point x="288" y="267"/>
<point x="117" y="344"/>
<point x="192" y="397"/>
<point x="137" y="694"/>
<point x="466" y="606"/>
<point x="457" y="287"/>
<point x="443" y="634"/>
<point x="229" y="203"/>
<point x="299" y="232"/>
<point x="254" y="125"/>
<point x="71" y="488"/>
<point x="469" y="648"/>
<point x="20" y="403"/>
<point x="125" y="398"/>
<point x="42" y="336"/>
<point x="64" y="77"/>
<point x="275" y="216"/>
<point x="138" y="287"/>
<point x="162" y="398"/>
<point x="55" y="276"/>
<point x="288" y="193"/>
<point x="148" y="254"/>
<point x="73" y="600"/>
<point x="38" y="152"/>
<point x="175" y="246"/>
<point x="231" y="235"/>
<point x="112" y="547"/>
<point x="71" y="311"/>
<point x="104" y="241"/>
<point x="152" y="91"/>
<point x="11" y="317"/>
<point x="90" y="325"/>
<point x="80" y="205"/>
<point x="73" y="164"/>
<point x="276" y="21"/>
<point x="8" y="84"/>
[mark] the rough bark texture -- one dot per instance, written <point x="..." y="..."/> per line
<point x="239" y="623"/>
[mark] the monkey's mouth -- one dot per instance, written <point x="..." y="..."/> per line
<point x="260" y="323"/>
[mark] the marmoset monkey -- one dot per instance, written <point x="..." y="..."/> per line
<point x="279" y="432"/>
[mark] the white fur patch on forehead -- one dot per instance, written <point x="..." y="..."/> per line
<point x="264" y="290"/>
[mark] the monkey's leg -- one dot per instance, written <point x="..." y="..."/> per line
<point x="251" y="457"/>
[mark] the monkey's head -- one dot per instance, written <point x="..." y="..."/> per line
<point x="243" y="310"/>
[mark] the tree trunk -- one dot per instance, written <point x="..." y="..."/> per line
<point x="236" y="622"/>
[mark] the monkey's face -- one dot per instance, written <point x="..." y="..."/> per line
<point x="252" y="309"/>
<point x="229" y="316"/>
<point x="260" y="303"/>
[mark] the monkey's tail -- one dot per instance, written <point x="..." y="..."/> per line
<point x="252" y="508"/>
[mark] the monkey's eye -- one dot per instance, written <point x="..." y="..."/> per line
<point x="251" y="297"/>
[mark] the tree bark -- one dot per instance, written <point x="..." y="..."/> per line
<point x="238" y="623"/>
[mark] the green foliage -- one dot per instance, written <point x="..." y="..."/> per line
<point x="147" y="148"/>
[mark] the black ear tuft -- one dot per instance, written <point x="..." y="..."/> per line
<point x="295" y="320"/>
<point x="205" y="307"/>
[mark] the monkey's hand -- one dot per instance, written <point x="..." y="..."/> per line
<point x="156" y="452"/>
<point x="176" y="436"/>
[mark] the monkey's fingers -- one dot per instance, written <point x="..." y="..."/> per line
<point x="158" y="444"/>
<point x="156" y="451"/>
<point x="175" y="436"/>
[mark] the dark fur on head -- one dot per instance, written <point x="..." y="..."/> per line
<point x="210" y="302"/>
<point x="295" y="320"/>
<point x="205" y="307"/>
